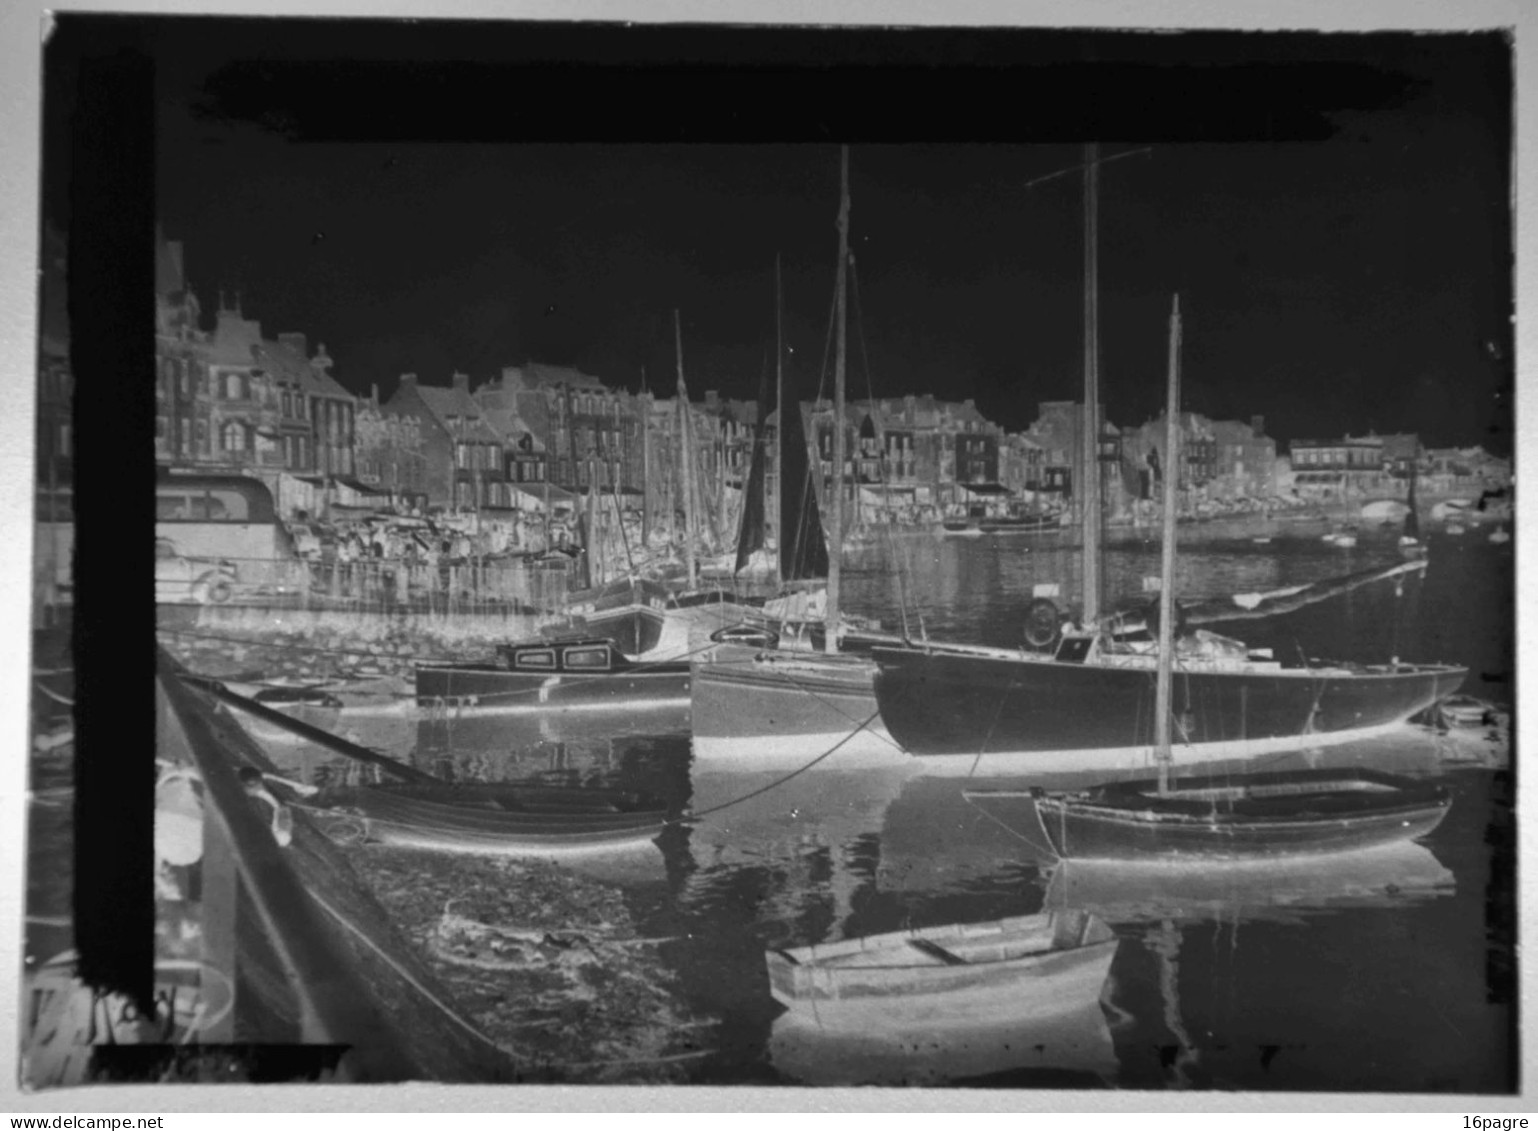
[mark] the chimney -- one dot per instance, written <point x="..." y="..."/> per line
<point x="1258" y="425"/>
<point x="296" y="342"/>
<point x="712" y="400"/>
<point x="462" y="383"/>
<point x="322" y="360"/>
<point x="373" y="392"/>
<point x="408" y="381"/>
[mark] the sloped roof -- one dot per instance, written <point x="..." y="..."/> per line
<point x="233" y="340"/>
<point x="283" y="359"/>
<point x="537" y="373"/>
<point x="446" y="402"/>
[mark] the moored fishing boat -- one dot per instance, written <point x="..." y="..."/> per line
<point x="1094" y="701"/>
<point x="587" y="674"/>
<point x="1090" y="704"/>
<point x="802" y="700"/>
<point x="961" y="974"/>
<point x="782" y="708"/>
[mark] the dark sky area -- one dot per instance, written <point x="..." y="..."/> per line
<point x="1333" y="209"/>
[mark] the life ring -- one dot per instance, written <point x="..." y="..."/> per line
<point x="216" y="589"/>
<point x="1151" y="618"/>
<point x="1043" y="624"/>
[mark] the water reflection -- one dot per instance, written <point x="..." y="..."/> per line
<point x="815" y="833"/>
<point x="1068" y="1050"/>
<point x="1287" y="891"/>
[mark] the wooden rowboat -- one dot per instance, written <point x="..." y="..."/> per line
<point x="1244" y="817"/>
<point x="965" y="974"/>
<point x="499" y="819"/>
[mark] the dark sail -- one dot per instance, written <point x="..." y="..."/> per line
<point x="751" y="536"/>
<point x="803" y="549"/>
<point x="1412" y="522"/>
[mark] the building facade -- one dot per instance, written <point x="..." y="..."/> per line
<point x="463" y="466"/>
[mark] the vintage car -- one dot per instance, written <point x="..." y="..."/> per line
<point x="191" y="581"/>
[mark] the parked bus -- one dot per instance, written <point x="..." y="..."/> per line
<point x="230" y="518"/>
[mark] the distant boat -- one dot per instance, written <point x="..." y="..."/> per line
<point x="1500" y="535"/>
<point x="1019" y="524"/>
<point x="961" y="528"/>
<point x="495" y="819"/>
<point x="587" y="674"/>
<point x="1455" y="528"/>
<point x="957" y="975"/>
<point x="1233" y="817"/>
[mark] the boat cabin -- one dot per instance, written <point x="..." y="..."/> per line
<point x="575" y="657"/>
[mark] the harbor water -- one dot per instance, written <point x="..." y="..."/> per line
<point x="1389" y="970"/>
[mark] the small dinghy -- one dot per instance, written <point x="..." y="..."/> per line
<point x="1241" y="817"/>
<point x="962" y="974"/>
<point x="498" y="819"/>
<point x="1465" y="711"/>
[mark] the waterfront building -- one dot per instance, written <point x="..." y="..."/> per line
<point x="389" y="453"/>
<point x="1245" y="460"/>
<point x="1470" y="470"/>
<point x="462" y="455"/>
<point x="1355" y="466"/>
<point x="1058" y="433"/>
<point x="580" y="430"/>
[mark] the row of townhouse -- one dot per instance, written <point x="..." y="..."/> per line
<point x="1381" y="465"/>
<point x="231" y="399"/>
<point x="536" y="436"/>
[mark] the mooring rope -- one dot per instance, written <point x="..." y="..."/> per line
<point x="690" y="817"/>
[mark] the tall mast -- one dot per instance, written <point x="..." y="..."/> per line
<point x="780" y="542"/>
<point x="1089" y="507"/>
<point x="644" y="406"/>
<point x="1167" y="560"/>
<point x="686" y="452"/>
<point x="836" y="523"/>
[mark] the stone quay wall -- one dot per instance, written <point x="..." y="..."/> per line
<point x="230" y="641"/>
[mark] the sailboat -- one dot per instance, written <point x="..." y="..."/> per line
<point x="782" y="706"/>
<point x="1294" y="813"/>
<point x="1084" y="700"/>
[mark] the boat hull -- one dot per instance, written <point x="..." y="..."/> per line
<point x="768" y="710"/>
<point x="1038" y="965"/>
<point x="1250" y="817"/>
<point x="1016" y="709"/>
<point x="488" y="688"/>
<point x="561" y="824"/>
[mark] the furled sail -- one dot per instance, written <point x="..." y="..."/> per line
<point x="751" y="536"/>
<point x="803" y="548"/>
